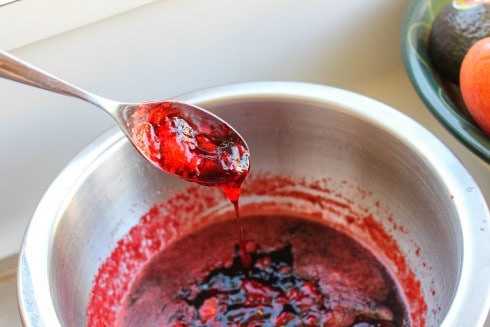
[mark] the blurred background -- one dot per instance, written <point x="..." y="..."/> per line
<point x="141" y="50"/>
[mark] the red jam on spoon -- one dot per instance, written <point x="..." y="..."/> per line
<point x="198" y="148"/>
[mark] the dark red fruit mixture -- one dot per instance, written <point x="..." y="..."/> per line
<point x="270" y="292"/>
<point x="303" y="274"/>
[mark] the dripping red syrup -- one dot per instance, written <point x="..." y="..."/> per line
<point x="200" y="149"/>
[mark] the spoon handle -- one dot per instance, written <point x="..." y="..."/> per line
<point x="20" y="71"/>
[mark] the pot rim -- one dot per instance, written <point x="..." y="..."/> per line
<point x="34" y="294"/>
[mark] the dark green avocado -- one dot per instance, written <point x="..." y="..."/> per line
<point x="453" y="32"/>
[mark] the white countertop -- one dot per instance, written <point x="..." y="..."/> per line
<point x="170" y="47"/>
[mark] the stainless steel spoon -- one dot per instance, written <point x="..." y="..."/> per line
<point x="179" y="138"/>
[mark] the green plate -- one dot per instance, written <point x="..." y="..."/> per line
<point x="417" y="22"/>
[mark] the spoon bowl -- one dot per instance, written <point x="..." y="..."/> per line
<point x="179" y="138"/>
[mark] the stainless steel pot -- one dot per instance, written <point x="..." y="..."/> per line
<point x="296" y="129"/>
